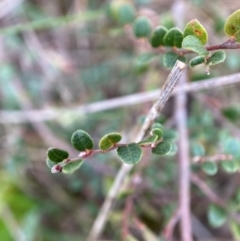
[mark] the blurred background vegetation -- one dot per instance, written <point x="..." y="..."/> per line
<point x="56" y="57"/>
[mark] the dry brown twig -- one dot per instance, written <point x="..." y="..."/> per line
<point x="167" y="89"/>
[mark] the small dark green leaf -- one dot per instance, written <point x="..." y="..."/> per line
<point x="195" y="28"/>
<point x="157" y="36"/>
<point x="218" y="57"/>
<point x="142" y="27"/>
<point x="157" y="125"/>
<point x="130" y="154"/>
<point x="162" y="148"/>
<point x="81" y="140"/>
<point x="151" y="139"/>
<point x="170" y="58"/>
<point x="72" y="166"/>
<point x="173" y="37"/>
<point x="230" y="166"/>
<point x="216" y="216"/>
<point x="57" y="155"/>
<point x="210" y="168"/>
<point x="196" y="61"/>
<point x="49" y="163"/>
<point x="232" y="25"/>
<point x="158" y="132"/>
<point x="194" y="44"/>
<point x="109" y="140"/>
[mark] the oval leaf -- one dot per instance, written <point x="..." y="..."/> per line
<point x="162" y="148"/>
<point x="151" y="139"/>
<point x="196" y="29"/>
<point x="142" y="27"/>
<point x="157" y="36"/>
<point x="109" y="140"/>
<point x="49" y="163"/>
<point x="232" y="25"/>
<point x="57" y="155"/>
<point x="230" y="166"/>
<point x="173" y="37"/>
<point x="194" y="44"/>
<point x="210" y="168"/>
<point x="125" y="13"/>
<point x="170" y="58"/>
<point x="81" y="140"/>
<point x="196" y="61"/>
<point x="72" y="166"/>
<point x="216" y="58"/>
<point x="158" y="132"/>
<point x="130" y="154"/>
<point x="216" y="216"/>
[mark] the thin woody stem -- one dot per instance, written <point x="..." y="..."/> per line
<point x="154" y="112"/>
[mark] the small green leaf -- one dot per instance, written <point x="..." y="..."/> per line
<point x="196" y="61"/>
<point x="151" y="139"/>
<point x="72" y="166"/>
<point x="109" y="140"/>
<point x="216" y="58"/>
<point x="216" y="216"/>
<point x="195" y="28"/>
<point x="50" y="163"/>
<point x="158" y="132"/>
<point x="235" y="229"/>
<point x="130" y="154"/>
<point x="232" y="25"/>
<point x="157" y="125"/>
<point x="122" y="12"/>
<point x="142" y="27"/>
<point x="163" y="148"/>
<point x="194" y="44"/>
<point x="173" y="37"/>
<point x="170" y="58"/>
<point x="230" y="166"/>
<point x="210" y="168"/>
<point x="57" y="155"/>
<point x="81" y="140"/>
<point x="157" y="36"/>
<point x="197" y="148"/>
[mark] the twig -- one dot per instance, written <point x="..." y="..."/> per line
<point x="171" y="81"/>
<point x="207" y="190"/>
<point x="168" y="231"/>
<point x="214" y="158"/>
<point x="49" y="114"/>
<point x="184" y="160"/>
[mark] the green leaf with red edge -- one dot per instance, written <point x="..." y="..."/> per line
<point x="196" y="61"/>
<point x="163" y="148"/>
<point x="217" y="58"/>
<point x="130" y="154"/>
<point x="72" y="166"/>
<point x="195" y="28"/>
<point x="173" y="37"/>
<point x="157" y="36"/>
<point x="232" y="25"/>
<point x="57" y="155"/>
<point x="142" y="27"/>
<point x="170" y="58"/>
<point x="109" y="140"/>
<point x="82" y="141"/>
<point x="194" y="44"/>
